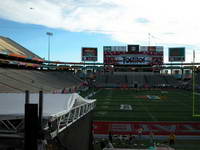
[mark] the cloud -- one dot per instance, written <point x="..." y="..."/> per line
<point x="128" y="21"/>
<point x="142" y="20"/>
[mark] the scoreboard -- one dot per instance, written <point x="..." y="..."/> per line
<point x="134" y="56"/>
<point x="89" y="54"/>
<point x="177" y="54"/>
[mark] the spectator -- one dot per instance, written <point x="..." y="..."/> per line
<point x="131" y="139"/>
<point x="109" y="145"/>
<point x="102" y="144"/>
<point x="120" y="139"/>
<point x="42" y="144"/>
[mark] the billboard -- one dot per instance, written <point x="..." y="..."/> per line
<point x="159" y="48"/>
<point x="133" y="48"/>
<point x="89" y="54"/>
<point x="151" y="48"/>
<point x="143" y="48"/>
<point x="177" y="54"/>
<point x="134" y="58"/>
<point x="114" y="48"/>
<point x="159" y="128"/>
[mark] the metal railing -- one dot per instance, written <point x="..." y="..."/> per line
<point x="52" y="125"/>
<point x="59" y="122"/>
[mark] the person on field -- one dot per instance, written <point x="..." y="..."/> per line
<point x="172" y="138"/>
<point x="152" y="138"/>
<point x="140" y="130"/>
<point x="110" y="136"/>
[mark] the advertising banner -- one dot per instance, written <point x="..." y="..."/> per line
<point x="159" y="48"/>
<point x="89" y="54"/>
<point x="159" y="128"/>
<point x="143" y="48"/>
<point x="151" y="48"/>
<point x="133" y="60"/>
<point x="114" y="48"/>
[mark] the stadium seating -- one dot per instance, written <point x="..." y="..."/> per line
<point x="189" y="84"/>
<point x="136" y="78"/>
<point x="101" y="80"/>
<point x="117" y="79"/>
<point x="198" y="78"/>
<point x="15" y="80"/>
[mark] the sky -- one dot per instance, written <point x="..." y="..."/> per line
<point x="98" y="23"/>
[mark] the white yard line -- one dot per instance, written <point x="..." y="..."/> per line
<point x="149" y="113"/>
<point x="197" y="93"/>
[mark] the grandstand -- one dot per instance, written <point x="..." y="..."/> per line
<point x="19" y="80"/>
<point x="130" y="79"/>
<point x="189" y="84"/>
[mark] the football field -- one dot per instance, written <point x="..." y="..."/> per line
<point x="147" y="105"/>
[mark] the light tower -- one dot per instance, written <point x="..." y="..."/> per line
<point x="49" y="35"/>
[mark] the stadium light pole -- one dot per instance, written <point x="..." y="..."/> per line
<point x="49" y="35"/>
<point x="193" y="84"/>
<point x="149" y="38"/>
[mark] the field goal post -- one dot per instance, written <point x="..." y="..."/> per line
<point x="194" y="114"/>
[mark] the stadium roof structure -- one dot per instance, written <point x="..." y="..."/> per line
<point x="62" y="109"/>
<point x="8" y="46"/>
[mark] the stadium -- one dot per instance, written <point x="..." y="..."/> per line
<point x="88" y="105"/>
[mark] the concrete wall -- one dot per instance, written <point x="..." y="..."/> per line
<point x="77" y="136"/>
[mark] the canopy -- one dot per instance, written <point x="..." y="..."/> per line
<point x="12" y="104"/>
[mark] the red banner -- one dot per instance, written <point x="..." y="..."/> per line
<point x="159" y="128"/>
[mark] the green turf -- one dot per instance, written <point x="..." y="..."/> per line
<point x="176" y="105"/>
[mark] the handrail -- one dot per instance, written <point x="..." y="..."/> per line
<point x="52" y="125"/>
<point x="59" y="122"/>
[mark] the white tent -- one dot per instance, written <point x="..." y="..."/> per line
<point x="12" y="104"/>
